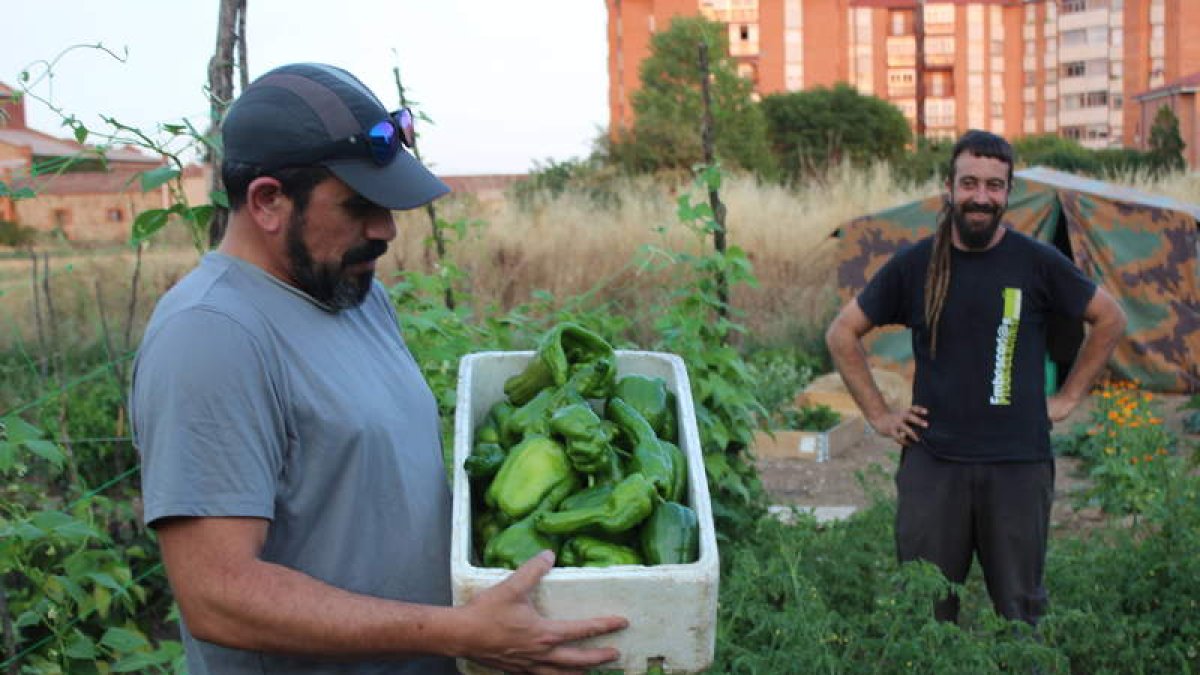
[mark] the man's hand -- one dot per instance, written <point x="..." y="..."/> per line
<point x="901" y="425"/>
<point x="512" y="636"/>
<point x="1058" y="406"/>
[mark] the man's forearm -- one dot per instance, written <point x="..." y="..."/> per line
<point x="851" y="362"/>
<point x="271" y="608"/>
<point x="1092" y="356"/>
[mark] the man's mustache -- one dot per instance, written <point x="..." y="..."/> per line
<point x="990" y="209"/>
<point x="365" y="253"/>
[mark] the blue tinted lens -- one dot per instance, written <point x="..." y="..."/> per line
<point x="384" y="142"/>
<point x="404" y="122"/>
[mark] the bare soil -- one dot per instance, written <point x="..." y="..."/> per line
<point x="804" y="482"/>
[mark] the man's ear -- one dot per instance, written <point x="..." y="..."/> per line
<point x="267" y="205"/>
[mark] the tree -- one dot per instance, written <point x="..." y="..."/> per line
<point x="1166" y="144"/>
<point x="668" y="109"/>
<point x="809" y="130"/>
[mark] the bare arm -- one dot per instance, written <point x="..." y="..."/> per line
<point x="229" y="596"/>
<point x="1106" y="324"/>
<point x="844" y="339"/>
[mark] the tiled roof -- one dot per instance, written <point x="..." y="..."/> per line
<point x="82" y="182"/>
<point x="1185" y="83"/>
<point x="45" y="145"/>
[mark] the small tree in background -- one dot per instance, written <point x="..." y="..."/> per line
<point x="812" y="129"/>
<point x="1166" y="143"/>
<point x="668" y="109"/>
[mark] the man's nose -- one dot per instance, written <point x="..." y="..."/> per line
<point x="381" y="226"/>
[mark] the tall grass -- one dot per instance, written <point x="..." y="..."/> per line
<point x="583" y="241"/>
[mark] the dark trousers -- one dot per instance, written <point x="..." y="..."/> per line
<point x="950" y="511"/>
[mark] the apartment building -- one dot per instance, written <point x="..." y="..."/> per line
<point x="1015" y="67"/>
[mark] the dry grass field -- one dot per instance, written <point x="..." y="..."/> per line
<point x="567" y="245"/>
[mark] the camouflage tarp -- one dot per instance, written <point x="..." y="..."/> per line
<point x="1140" y="248"/>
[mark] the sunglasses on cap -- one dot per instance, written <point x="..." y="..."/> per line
<point x="381" y="142"/>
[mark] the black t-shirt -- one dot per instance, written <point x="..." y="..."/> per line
<point x="985" y="391"/>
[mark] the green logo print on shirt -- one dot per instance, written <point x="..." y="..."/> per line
<point x="1006" y="346"/>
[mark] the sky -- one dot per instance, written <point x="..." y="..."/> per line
<point x="506" y="83"/>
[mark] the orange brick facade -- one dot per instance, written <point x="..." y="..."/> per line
<point x="1016" y="67"/>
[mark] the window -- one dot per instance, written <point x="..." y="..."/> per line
<point x="62" y="218"/>
<point x="115" y="215"/>
<point x="1074" y="38"/>
<point x="900" y="22"/>
<point x="1071" y="6"/>
<point x="939" y="84"/>
<point x="1073" y="133"/>
<point x="1074" y="69"/>
<point x="901" y="83"/>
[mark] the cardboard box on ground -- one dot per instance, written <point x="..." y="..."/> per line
<point x="830" y="390"/>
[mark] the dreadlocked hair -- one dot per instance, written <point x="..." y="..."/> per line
<point x="937" y="277"/>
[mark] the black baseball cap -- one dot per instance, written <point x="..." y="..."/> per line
<point x="313" y="114"/>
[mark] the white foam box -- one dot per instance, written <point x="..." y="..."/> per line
<point x="672" y="609"/>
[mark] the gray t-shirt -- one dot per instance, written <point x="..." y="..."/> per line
<point x="251" y="399"/>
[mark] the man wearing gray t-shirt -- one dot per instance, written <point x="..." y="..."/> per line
<point x="291" y="459"/>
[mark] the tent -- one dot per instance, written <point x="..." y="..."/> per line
<point x="1141" y="248"/>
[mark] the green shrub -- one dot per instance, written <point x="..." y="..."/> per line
<point x="16" y="235"/>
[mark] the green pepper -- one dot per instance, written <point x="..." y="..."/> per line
<point x="671" y="535"/>
<point x="670" y="427"/>
<point x="647" y="395"/>
<point x="533" y="418"/>
<point x="585" y="551"/>
<point x="487" y="431"/>
<point x="562" y="347"/>
<point x="629" y="503"/>
<point x="532" y="469"/>
<point x="484" y="461"/>
<point x="485" y="525"/>
<point x="679" y="471"/>
<point x="595" y="378"/>
<point x="649" y="457"/>
<point x="497" y="418"/>
<point x="587" y="497"/>
<point x="587" y="437"/>
<point x="521" y="540"/>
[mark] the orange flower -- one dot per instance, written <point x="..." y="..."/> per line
<point x="1133" y="460"/>
<point x="1162" y="451"/>
<point x="1155" y="420"/>
<point x="1147" y="458"/>
<point x="1112" y="415"/>
<point x="1148" y="396"/>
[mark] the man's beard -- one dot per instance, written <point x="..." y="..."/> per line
<point x="974" y="237"/>
<point x="330" y="283"/>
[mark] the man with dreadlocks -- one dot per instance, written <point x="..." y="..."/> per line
<point x="976" y="473"/>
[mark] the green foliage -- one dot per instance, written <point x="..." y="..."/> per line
<point x="1166" y="144"/>
<point x="666" y="133"/>
<point x="1065" y="154"/>
<point x="929" y="161"/>
<point x="1126" y="451"/>
<point x="1055" y="152"/>
<point x="16" y="235"/>
<point x="552" y="179"/>
<point x="813" y="129"/>
<point x="818" y="417"/>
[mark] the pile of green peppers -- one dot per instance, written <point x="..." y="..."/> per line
<point x="580" y="462"/>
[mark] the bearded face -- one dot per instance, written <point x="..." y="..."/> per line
<point x="331" y="283"/>
<point x="977" y="196"/>
<point x="976" y="223"/>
